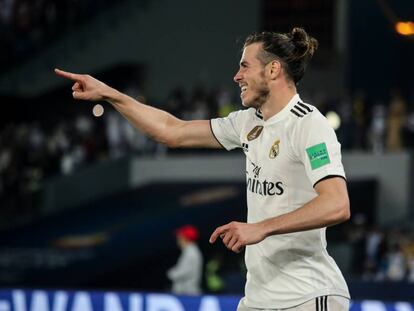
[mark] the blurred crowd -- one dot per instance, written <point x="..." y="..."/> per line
<point x="382" y="254"/>
<point x="28" y="25"/>
<point x="377" y="126"/>
<point x="31" y="153"/>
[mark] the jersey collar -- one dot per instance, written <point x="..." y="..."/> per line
<point x="282" y="113"/>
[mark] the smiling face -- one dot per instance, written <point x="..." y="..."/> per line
<point x="251" y="77"/>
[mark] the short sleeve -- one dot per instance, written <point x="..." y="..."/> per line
<point x="318" y="148"/>
<point x="228" y="130"/>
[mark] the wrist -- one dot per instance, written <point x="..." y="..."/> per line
<point x="264" y="228"/>
<point x="271" y="226"/>
<point x="112" y="96"/>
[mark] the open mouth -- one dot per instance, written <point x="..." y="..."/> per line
<point x="243" y="90"/>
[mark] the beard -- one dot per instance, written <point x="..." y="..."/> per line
<point x="260" y="92"/>
<point x="261" y="95"/>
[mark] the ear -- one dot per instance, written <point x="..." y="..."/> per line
<point x="275" y="69"/>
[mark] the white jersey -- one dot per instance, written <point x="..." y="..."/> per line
<point x="285" y="157"/>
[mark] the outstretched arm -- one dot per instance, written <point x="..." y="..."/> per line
<point x="330" y="207"/>
<point x="155" y="123"/>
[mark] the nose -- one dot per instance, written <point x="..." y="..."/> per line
<point x="237" y="77"/>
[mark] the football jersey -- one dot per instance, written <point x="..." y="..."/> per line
<point x="285" y="157"/>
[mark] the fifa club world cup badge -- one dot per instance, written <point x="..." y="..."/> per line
<point x="255" y="132"/>
<point x="274" y="150"/>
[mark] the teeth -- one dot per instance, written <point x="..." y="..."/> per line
<point x="244" y="88"/>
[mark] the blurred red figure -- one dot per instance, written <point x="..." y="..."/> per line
<point x="186" y="275"/>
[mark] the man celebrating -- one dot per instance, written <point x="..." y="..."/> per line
<point x="295" y="179"/>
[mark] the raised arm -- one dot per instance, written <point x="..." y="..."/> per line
<point x="155" y="123"/>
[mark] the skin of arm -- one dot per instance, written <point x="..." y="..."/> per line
<point x="330" y="207"/>
<point x="155" y="123"/>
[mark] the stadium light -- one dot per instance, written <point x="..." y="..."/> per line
<point x="333" y="119"/>
<point x="405" y="28"/>
<point x="98" y="110"/>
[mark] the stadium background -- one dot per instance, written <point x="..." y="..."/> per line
<point x="88" y="205"/>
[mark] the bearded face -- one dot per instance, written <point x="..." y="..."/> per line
<point x="251" y="78"/>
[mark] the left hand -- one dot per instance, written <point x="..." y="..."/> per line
<point x="236" y="235"/>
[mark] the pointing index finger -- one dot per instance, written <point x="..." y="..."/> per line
<point x="217" y="233"/>
<point x="68" y="75"/>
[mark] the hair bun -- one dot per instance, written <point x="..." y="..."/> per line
<point x="305" y="44"/>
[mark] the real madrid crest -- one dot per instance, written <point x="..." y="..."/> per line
<point x="274" y="150"/>
<point x="255" y="132"/>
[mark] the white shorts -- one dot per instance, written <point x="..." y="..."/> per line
<point x="323" y="303"/>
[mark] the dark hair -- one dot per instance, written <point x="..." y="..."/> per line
<point x="293" y="50"/>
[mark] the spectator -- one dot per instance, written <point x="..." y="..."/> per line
<point x="375" y="241"/>
<point x="395" y="122"/>
<point x="360" y="107"/>
<point x="377" y="130"/>
<point x="396" y="264"/>
<point x="186" y="275"/>
<point x="214" y="280"/>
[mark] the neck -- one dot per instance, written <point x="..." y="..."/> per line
<point x="278" y="99"/>
<point x="185" y="243"/>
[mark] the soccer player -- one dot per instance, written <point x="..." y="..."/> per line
<point x="295" y="179"/>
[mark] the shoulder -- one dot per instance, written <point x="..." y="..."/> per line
<point x="304" y="116"/>
<point x="194" y="250"/>
<point x="310" y="124"/>
<point x="301" y="110"/>
<point x="244" y="115"/>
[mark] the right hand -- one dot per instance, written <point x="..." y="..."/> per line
<point x="86" y="87"/>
